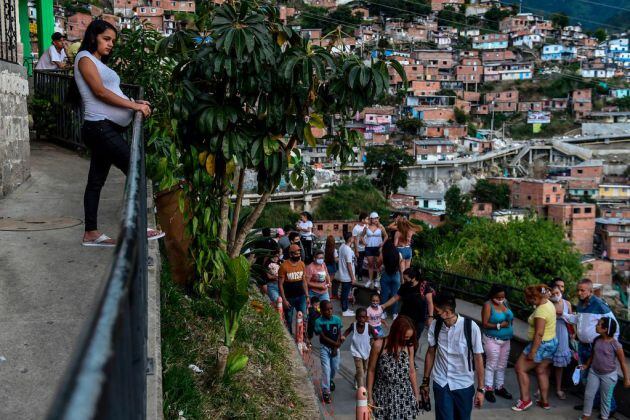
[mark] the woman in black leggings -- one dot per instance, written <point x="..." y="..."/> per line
<point x="107" y="113"/>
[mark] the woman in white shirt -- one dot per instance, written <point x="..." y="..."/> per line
<point x="374" y="237"/>
<point x="305" y="228"/>
<point x="107" y="112"/>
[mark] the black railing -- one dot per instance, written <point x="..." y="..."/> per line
<point x="8" y="32"/>
<point x="107" y="378"/>
<point x="64" y="116"/>
<point x="476" y="291"/>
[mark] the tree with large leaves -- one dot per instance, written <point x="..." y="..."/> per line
<point x="388" y="161"/>
<point x="247" y="91"/>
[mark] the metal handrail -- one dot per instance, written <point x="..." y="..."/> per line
<point x="476" y="291"/>
<point x="107" y="377"/>
<point x="54" y="87"/>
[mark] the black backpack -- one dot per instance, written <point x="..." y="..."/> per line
<point x="467" y="333"/>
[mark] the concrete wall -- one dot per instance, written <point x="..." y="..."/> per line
<point x="605" y="129"/>
<point x="14" y="140"/>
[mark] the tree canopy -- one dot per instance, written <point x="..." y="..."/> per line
<point x="246" y="91"/>
<point x="351" y="197"/>
<point x="560" y="20"/>
<point x="518" y="253"/>
<point x="458" y="205"/>
<point x="496" y="194"/>
<point x="388" y="160"/>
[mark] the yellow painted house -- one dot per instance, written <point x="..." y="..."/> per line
<point x="614" y="191"/>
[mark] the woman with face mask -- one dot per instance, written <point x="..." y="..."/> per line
<point x="496" y="319"/>
<point x="317" y="277"/>
<point x="562" y="357"/>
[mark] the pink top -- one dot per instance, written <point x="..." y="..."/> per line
<point x="316" y="277"/>
<point x="374" y="316"/>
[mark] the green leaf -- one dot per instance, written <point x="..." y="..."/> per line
<point x="317" y="120"/>
<point x="308" y="135"/>
<point x="236" y="362"/>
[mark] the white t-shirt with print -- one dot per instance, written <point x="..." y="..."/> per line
<point x="346" y="255"/>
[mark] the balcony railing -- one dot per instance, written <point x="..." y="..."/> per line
<point x="54" y="87"/>
<point x="476" y="291"/>
<point x="8" y="31"/>
<point x="107" y="376"/>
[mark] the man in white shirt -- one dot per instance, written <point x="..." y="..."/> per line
<point x="452" y="360"/>
<point x="54" y="58"/>
<point x="358" y="243"/>
<point x="346" y="272"/>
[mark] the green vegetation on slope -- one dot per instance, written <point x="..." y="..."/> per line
<point x="192" y="331"/>
<point x="346" y="201"/>
<point x="518" y="253"/>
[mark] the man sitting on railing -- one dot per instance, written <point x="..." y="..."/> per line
<point x="54" y="58"/>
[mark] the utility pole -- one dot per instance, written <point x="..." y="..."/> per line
<point x="492" y="120"/>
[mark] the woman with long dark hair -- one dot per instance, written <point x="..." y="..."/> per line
<point x="391" y="380"/>
<point x="390" y="275"/>
<point x="402" y="239"/>
<point x="107" y="111"/>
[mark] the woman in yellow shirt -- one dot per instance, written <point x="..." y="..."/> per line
<point x="542" y="345"/>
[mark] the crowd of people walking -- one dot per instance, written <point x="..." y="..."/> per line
<point x="454" y="366"/>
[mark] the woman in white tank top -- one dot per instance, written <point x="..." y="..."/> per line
<point x="107" y="111"/>
<point x="374" y="236"/>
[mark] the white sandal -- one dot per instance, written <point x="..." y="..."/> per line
<point x="157" y="234"/>
<point x="101" y="241"/>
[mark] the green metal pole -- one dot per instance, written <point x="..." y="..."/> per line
<point x="45" y="24"/>
<point x="25" y="34"/>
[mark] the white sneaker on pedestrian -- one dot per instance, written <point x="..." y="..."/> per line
<point x="368" y="284"/>
<point x="384" y="315"/>
<point x="395" y="316"/>
<point x="377" y="284"/>
<point x="349" y="312"/>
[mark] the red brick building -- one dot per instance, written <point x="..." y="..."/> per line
<point x="532" y="193"/>
<point x="578" y="221"/>
<point x="77" y="24"/>
<point x="469" y="70"/>
<point x="590" y="169"/>
<point x="581" y="103"/>
<point x="433" y="218"/>
<point x="401" y="201"/>
<point x="612" y="241"/>
<point x="598" y="271"/>
<point x="336" y="228"/>
<point x="424" y="88"/>
<point x="482" y="210"/>
<point x="615" y="211"/>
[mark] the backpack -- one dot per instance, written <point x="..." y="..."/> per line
<point x="467" y="333"/>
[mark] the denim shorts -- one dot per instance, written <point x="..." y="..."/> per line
<point x="405" y="251"/>
<point x="546" y="350"/>
<point x="372" y="251"/>
<point x="320" y="296"/>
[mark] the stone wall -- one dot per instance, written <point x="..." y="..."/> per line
<point x="14" y="133"/>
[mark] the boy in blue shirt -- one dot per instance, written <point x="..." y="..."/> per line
<point x="328" y="327"/>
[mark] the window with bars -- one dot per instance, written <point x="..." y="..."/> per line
<point x="8" y="33"/>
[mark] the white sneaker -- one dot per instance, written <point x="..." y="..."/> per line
<point x="368" y="284"/>
<point x="384" y="315"/>
<point x="377" y="284"/>
<point x="349" y="312"/>
<point x="395" y="316"/>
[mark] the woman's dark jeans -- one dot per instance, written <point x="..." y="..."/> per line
<point x="108" y="147"/>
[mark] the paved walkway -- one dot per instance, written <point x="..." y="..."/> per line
<point x="48" y="281"/>
<point x="344" y="397"/>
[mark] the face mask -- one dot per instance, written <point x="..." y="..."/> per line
<point x="295" y="258"/>
<point x="409" y="343"/>
<point x="498" y="301"/>
<point x="319" y="261"/>
<point x="555" y="298"/>
<point x="375" y="305"/>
